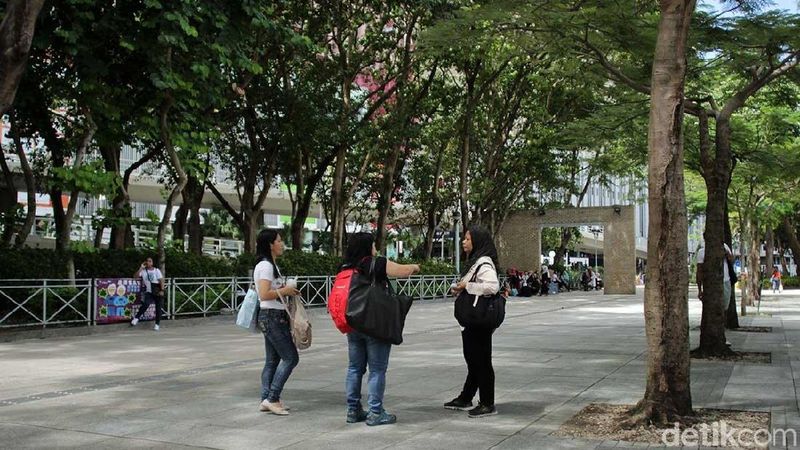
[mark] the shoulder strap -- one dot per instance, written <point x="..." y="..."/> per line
<point x="475" y="274"/>
<point x="372" y="269"/>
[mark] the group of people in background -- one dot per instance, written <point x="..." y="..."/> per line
<point x="365" y="352"/>
<point x="548" y="281"/>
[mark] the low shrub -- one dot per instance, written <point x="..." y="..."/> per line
<point x="42" y="263"/>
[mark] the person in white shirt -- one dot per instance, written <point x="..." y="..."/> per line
<point x="477" y="343"/>
<point x="153" y="292"/>
<point x="273" y="320"/>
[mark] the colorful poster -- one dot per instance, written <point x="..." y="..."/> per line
<point x="118" y="299"/>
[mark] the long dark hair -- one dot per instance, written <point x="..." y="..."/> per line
<point x="359" y="246"/>
<point x="482" y="245"/>
<point x="263" y="253"/>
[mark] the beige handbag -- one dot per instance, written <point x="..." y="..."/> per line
<point x="298" y="321"/>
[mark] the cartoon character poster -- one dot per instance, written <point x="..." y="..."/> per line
<point x="118" y="299"/>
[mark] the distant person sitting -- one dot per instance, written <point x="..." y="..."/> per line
<point x="545" y="283"/>
<point x="153" y="281"/>
<point x="534" y="283"/>
<point x="588" y="279"/>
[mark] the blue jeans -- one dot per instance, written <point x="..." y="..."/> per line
<point x="364" y="350"/>
<point x="282" y="355"/>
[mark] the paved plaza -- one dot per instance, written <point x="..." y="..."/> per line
<point x="198" y="386"/>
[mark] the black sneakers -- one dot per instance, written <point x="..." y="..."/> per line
<point x="458" y="404"/>
<point x="482" y="411"/>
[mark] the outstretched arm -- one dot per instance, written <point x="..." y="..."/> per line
<point x="395" y="270"/>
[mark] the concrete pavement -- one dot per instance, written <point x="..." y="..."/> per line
<point x="199" y="386"/>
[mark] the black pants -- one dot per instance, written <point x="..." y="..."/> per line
<point x="478" y="354"/>
<point x="147" y="300"/>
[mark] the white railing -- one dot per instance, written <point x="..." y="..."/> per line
<point x="43" y="303"/>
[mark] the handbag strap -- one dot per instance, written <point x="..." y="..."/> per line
<point x="475" y="274"/>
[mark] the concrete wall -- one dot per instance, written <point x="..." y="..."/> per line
<point x="520" y="241"/>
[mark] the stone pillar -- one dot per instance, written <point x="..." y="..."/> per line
<point x="519" y="243"/>
<point x="619" y="252"/>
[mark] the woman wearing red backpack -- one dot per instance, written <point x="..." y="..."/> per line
<point x="364" y="350"/>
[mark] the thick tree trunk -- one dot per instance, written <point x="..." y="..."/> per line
<point x="716" y="173"/>
<point x="16" y="35"/>
<point x="668" y="395"/>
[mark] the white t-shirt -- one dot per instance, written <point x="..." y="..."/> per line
<point x="150" y="276"/>
<point x="266" y="271"/>
<point x="701" y="256"/>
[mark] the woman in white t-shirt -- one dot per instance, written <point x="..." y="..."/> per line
<point x="273" y="320"/>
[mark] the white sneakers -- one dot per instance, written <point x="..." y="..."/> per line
<point x="135" y="321"/>
<point x="274" y="408"/>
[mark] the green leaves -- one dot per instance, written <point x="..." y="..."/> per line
<point x="90" y="178"/>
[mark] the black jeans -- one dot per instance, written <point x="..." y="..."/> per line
<point x="147" y="300"/>
<point x="477" y="344"/>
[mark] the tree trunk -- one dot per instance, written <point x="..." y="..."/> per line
<point x="250" y="230"/>
<point x="179" y="225"/>
<point x="305" y="195"/>
<point x="769" y="261"/>
<point x="181" y="179"/>
<point x="338" y="212"/>
<point x="782" y="257"/>
<point x="385" y="195"/>
<point x="732" y="315"/>
<point x="464" y="165"/>
<point x="193" y="199"/>
<point x="753" y="261"/>
<point x="561" y="250"/>
<point x="715" y="174"/>
<point x="791" y="239"/>
<point x="8" y="200"/>
<point x="433" y="212"/>
<point x="668" y="395"/>
<point x="16" y="35"/>
<point x="30" y="193"/>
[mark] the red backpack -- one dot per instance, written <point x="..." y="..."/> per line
<point x="337" y="300"/>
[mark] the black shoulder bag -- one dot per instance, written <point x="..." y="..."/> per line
<point x="374" y="309"/>
<point x="479" y="311"/>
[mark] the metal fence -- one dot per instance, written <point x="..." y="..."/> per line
<point x="46" y="302"/>
<point x="43" y="303"/>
